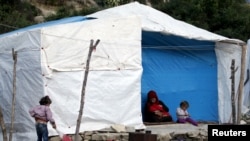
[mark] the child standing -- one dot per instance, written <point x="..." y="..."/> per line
<point x="183" y="115"/>
<point x="42" y="114"/>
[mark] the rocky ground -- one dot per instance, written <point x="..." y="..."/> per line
<point x="162" y="132"/>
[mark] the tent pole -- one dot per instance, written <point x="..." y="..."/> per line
<point x="14" y="54"/>
<point x="241" y="85"/>
<point x="5" y="138"/>
<point x="91" y="48"/>
<point x="233" y="42"/>
<point x="233" y="90"/>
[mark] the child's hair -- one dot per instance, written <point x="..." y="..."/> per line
<point x="184" y="103"/>
<point x="45" y="100"/>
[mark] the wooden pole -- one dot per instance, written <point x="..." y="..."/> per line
<point x="91" y="48"/>
<point x="241" y="85"/>
<point x="233" y="90"/>
<point x="14" y="54"/>
<point x="3" y="126"/>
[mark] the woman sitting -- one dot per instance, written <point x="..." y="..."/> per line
<point x="156" y="110"/>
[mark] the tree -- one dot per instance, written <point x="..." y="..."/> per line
<point x="229" y="18"/>
<point x="14" y="15"/>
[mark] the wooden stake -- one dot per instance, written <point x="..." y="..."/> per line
<point x="91" y="48"/>
<point x="233" y="90"/>
<point x="241" y="85"/>
<point x="3" y="126"/>
<point x="14" y="54"/>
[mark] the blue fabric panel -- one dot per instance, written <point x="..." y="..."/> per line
<point x="181" y="69"/>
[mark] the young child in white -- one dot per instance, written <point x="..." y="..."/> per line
<point x="183" y="115"/>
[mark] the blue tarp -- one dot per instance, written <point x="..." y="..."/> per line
<point x="49" y="23"/>
<point x="181" y="69"/>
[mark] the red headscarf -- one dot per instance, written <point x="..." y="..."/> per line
<point x="155" y="106"/>
<point x="152" y="94"/>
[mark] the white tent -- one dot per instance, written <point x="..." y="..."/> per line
<point x="51" y="61"/>
<point x="225" y="49"/>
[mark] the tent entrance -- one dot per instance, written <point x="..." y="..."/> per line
<point x="181" y="69"/>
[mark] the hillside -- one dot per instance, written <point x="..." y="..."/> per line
<point x="227" y="18"/>
<point x="51" y="10"/>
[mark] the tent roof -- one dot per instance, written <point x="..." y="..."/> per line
<point x="155" y="20"/>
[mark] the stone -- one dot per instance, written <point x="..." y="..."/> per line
<point x="118" y="128"/>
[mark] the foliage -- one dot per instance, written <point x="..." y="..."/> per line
<point x="228" y="18"/>
<point x="89" y="10"/>
<point x="52" y="2"/>
<point x="64" y="11"/>
<point x="16" y="15"/>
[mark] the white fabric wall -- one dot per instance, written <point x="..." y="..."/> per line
<point x="225" y="53"/>
<point x="114" y="81"/>
<point x="51" y="61"/>
<point x="29" y="81"/>
<point x="246" y="97"/>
